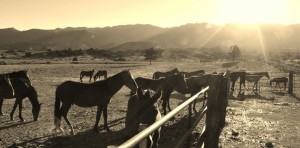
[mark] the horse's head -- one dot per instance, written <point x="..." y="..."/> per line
<point x="180" y="82"/>
<point x="6" y="87"/>
<point x="36" y="111"/>
<point x="129" y="80"/>
<point x="148" y="109"/>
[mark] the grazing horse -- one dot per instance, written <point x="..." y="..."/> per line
<point x="86" y="74"/>
<point x="99" y="74"/>
<point x="143" y="109"/>
<point x="22" y="90"/>
<point x="6" y="88"/>
<point x="234" y="76"/>
<point x="193" y="73"/>
<point x="88" y="95"/>
<point x="194" y="85"/>
<point x="17" y="74"/>
<point x="279" y="80"/>
<point x="255" y="77"/>
<point x="168" y="85"/>
<point x="158" y="74"/>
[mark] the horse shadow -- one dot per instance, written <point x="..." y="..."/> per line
<point x="242" y="96"/>
<point x="82" y="139"/>
<point x="14" y="125"/>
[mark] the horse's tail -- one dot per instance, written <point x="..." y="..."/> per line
<point x="271" y="83"/>
<point x="57" y="110"/>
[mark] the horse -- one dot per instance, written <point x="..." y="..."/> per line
<point x="6" y="88"/>
<point x="158" y="74"/>
<point x="86" y="74"/>
<point x="97" y="94"/>
<point x="17" y="74"/>
<point x="143" y="109"/>
<point x="99" y="74"/>
<point x="168" y="85"/>
<point x="193" y="73"/>
<point x="22" y="90"/>
<point x="279" y="80"/>
<point x="255" y="77"/>
<point x="194" y="85"/>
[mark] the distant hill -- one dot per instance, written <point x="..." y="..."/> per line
<point x="125" y="37"/>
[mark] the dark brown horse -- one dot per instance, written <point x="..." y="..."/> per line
<point x="234" y="77"/>
<point x="22" y="90"/>
<point x="99" y="74"/>
<point x="86" y="74"/>
<point x="88" y="95"/>
<point x="194" y="85"/>
<point x="168" y="85"/>
<point x="143" y="109"/>
<point x="279" y="80"/>
<point x="193" y="73"/>
<point x="17" y="74"/>
<point x="158" y="74"/>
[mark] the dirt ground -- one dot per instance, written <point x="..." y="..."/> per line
<point x="264" y="119"/>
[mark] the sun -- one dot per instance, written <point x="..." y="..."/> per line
<point x="251" y="11"/>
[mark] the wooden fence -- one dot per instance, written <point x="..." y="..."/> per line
<point x="215" y="112"/>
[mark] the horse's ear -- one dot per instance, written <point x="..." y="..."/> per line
<point x="140" y="92"/>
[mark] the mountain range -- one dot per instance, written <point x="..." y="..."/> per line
<point x="125" y="37"/>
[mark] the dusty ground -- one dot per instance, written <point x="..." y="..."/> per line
<point x="253" y="120"/>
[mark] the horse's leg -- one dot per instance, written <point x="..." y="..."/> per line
<point x="105" y="118"/>
<point x="20" y="110"/>
<point x="13" y="110"/>
<point x="232" y="85"/>
<point x="99" y="112"/>
<point x="155" y="138"/>
<point x="64" y="112"/>
<point x="1" y="103"/>
<point x="80" y="77"/>
<point x="90" y="79"/>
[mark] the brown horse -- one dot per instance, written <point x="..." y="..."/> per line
<point x="168" y="85"/>
<point x="279" y="80"/>
<point x="99" y="74"/>
<point x="22" y="90"/>
<point x="158" y="74"/>
<point x="143" y="109"/>
<point x="16" y="74"/>
<point x="86" y="74"/>
<point x="88" y="95"/>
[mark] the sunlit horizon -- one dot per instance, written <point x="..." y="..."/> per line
<point x="32" y="14"/>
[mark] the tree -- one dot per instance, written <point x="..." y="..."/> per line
<point x="151" y="54"/>
<point x="234" y="52"/>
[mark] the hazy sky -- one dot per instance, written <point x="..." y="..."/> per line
<point x="50" y="14"/>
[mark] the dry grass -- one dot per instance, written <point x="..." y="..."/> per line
<point x="259" y="120"/>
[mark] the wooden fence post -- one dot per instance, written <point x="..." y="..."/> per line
<point x="291" y="82"/>
<point x="216" y="111"/>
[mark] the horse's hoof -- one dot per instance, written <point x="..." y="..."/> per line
<point x="22" y="120"/>
<point x="95" y="129"/>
